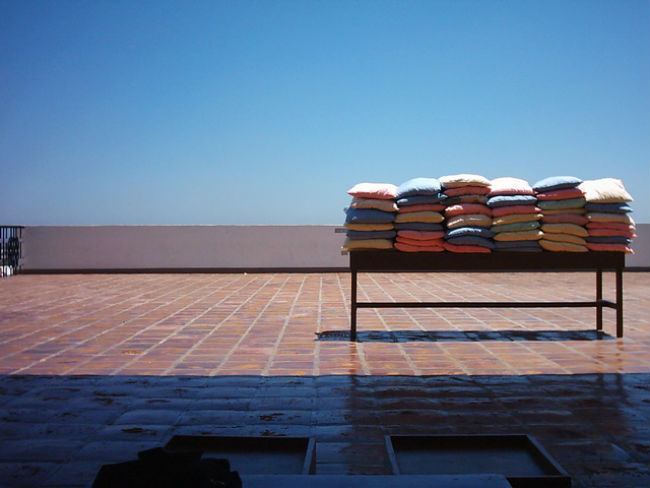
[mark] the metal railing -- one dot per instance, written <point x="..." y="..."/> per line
<point x="10" y="249"/>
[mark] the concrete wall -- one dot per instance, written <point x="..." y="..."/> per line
<point x="48" y="248"/>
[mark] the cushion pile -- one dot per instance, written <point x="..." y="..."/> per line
<point x="369" y="218"/>
<point x="419" y="218"/>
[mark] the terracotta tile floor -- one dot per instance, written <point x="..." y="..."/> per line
<point x="94" y="368"/>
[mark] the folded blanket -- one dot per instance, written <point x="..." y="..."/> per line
<point x="420" y="242"/>
<point x="609" y="240"/>
<point x="503" y="200"/>
<point x="467" y="208"/>
<point x="368" y="244"/>
<point x="566" y="194"/>
<point x="508" y="185"/>
<point x="425" y="216"/>
<point x="561" y="204"/>
<point x="515" y="209"/>
<point x="466" y="199"/>
<point x="619" y="207"/>
<point x="467" y="190"/>
<point x="469" y="231"/>
<point x="468" y="249"/>
<point x="605" y="190"/>
<point x="472" y="220"/>
<point x="375" y="234"/>
<point x="572" y="229"/>
<point x="549" y="236"/>
<point x="471" y="241"/>
<point x="369" y="227"/>
<point x="610" y="217"/>
<point x="527" y="235"/>
<point x="368" y="216"/>
<point x="431" y="207"/>
<point x="565" y="219"/>
<point x="516" y="227"/>
<point x="408" y="248"/>
<point x="383" y="191"/>
<point x="385" y="205"/>
<point x="460" y="180"/>
<point x="592" y="246"/>
<point x="514" y="218"/>
<point x="562" y="246"/>
<point x="421" y="199"/>
<point x="418" y="226"/>
<point x="421" y="235"/>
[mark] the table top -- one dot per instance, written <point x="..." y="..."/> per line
<point x="375" y="481"/>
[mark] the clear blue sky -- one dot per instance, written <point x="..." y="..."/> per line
<point x="266" y="112"/>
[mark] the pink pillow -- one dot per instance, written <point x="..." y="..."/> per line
<point x="593" y="246"/>
<point x="408" y="248"/>
<point x="565" y="219"/>
<point x="515" y="209"/>
<point x="454" y="248"/>
<point x="382" y="191"/>
<point x="508" y="185"/>
<point x="612" y="232"/>
<point x="561" y="194"/>
<point x="609" y="225"/>
<point x="467" y="208"/>
<point x="420" y="234"/>
<point x="419" y="242"/>
<point x="467" y="190"/>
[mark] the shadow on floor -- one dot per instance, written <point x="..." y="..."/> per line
<point x="464" y="335"/>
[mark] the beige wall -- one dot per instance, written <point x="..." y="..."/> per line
<point x="183" y="247"/>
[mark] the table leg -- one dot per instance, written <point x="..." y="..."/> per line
<point x="599" y="299"/>
<point x="353" y="307"/>
<point x="619" y="302"/>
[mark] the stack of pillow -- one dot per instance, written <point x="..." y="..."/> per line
<point x="563" y="208"/>
<point x="515" y="215"/>
<point x="467" y="217"/>
<point x="609" y="226"/>
<point x="419" y="219"/>
<point x="369" y="220"/>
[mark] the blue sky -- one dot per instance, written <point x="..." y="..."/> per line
<point x="256" y="112"/>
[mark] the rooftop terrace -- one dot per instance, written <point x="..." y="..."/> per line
<point x="96" y="367"/>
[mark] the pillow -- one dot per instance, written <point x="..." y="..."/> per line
<point x="373" y="234"/>
<point x="605" y="190"/>
<point x="575" y="211"/>
<point x="553" y="183"/>
<point x="470" y="220"/>
<point x="609" y="239"/>
<point x="612" y="232"/>
<point x="561" y="194"/>
<point x="573" y="229"/>
<point x="537" y="248"/>
<point x="382" y="191"/>
<point x="562" y="246"/>
<point x="515" y="209"/>
<point x="433" y="207"/>
<point x="426" y="216"/>
<point x="368" y="244"/>
<point x="471" y="241"/>
<point x="560" y="204"/>
<point x="467" y="208"/>
<point x="514" y="218"/>
<point x="610" y="217"/>
<point x="408" y="248"/>
<point x="467" y="190"/>
<point x="465" y="248"/>
<point x="503" y="200"/>
<point x="526" y="235"/>
<point x="456" y="181"/>
<point x="466" y="199"/>
<point x="385" y="205"/>
<point x="593" y="246"/>
<point x="548" y="236"/>
<point x="369" y="227"/>
<point x="420" y="234"/>
<point x="469" y="231"/>
<point x="610" y="225"/>
<point x="565" y="219"/>
<point x="419" y="186"/>
<point x="619" y="207"/>
<point x="368" y="216"/>
<point x="510" y="186"/>
<point x="511" y="245"/>
<point x="421" y="199"/>
<point x="420" y="242"/>
<point x="418" y="226"/>
<point x="516" y="227"/>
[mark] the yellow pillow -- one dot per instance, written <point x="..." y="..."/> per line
<point x="515" y="218"/>
<point x="385" y="205"/>
<point x="610" y="217"/>
<point x="427" y="216"/>
<point x="565" y="238"/>
<point x="562" y="246"/>
<point x="605" y="190"/>
<point x="526" y="235"/>
<point x="458" y="181"/>
<point x="369" y="227"/>
<point x="469" y="220"/>
<point x="576" y="230"/>
<point x="367" y="244"/>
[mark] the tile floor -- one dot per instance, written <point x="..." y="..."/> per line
<point x="94" y="368"/>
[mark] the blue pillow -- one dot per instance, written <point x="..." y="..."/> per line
<point x="562" y="204"/>
<point x="370" y="234"/>
<point x="505" y="200"/>
<point x="618" y="208"/>
<point x="417" y="226"/>
<point x="419" y="186"/>
<point x="609" y="239"/>
<point x="469" y="231"/>
<point x="553" y="183"/>
<point x="368" y="216"/>
<point x="421" y="200"/>
<point x="512" y="245"/>
<point x="471" y="241"/>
